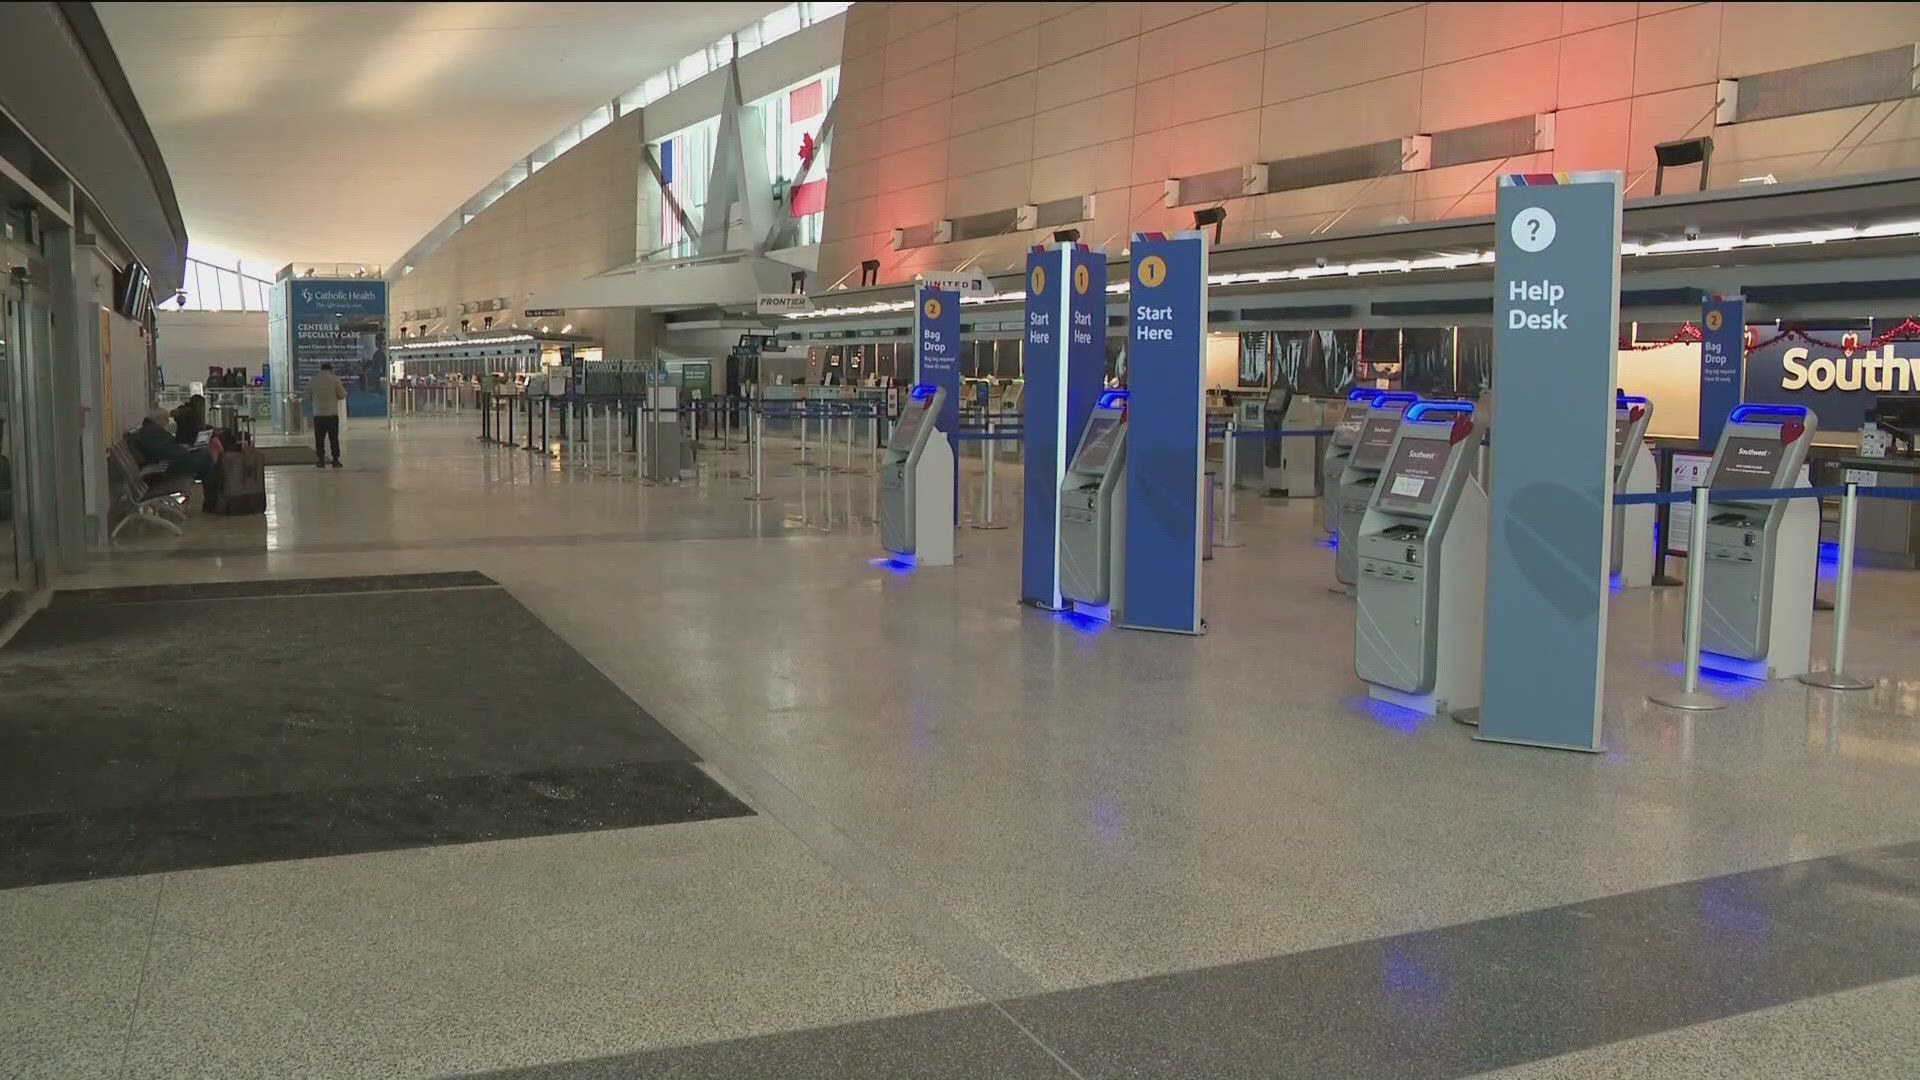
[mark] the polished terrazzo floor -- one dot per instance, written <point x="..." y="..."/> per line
<point x="991" y="843"/>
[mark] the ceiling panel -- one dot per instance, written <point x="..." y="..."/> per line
<point x="343" y="132"/>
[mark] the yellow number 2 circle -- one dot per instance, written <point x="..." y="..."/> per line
<point x="1715" y="320"/>
<point x="1153" y="271"/>
<point x="931" y="307"/>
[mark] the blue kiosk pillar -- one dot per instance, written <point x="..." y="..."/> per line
<point x="1166" y="432"/>
<point x="1065" y="359"/>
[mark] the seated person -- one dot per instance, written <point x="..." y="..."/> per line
<point x="153" y="444"/>
<point x="189" y="420"/>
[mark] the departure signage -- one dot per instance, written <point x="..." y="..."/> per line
<point x="1167" y="431"/>
<point x="936" y="334"/>
<point x="1557" y="287"/>
<point x="1723" y="333"/>
<point x="970" y="284"/>
<point x="782" y="303"/>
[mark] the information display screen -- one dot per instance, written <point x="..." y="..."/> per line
<point x="906" y="431"/>
<point x="1748" y="462"/>
<point x="1096" y="447"/>
<point x="1376" y="438"/>
<point x="1412" y="480"/>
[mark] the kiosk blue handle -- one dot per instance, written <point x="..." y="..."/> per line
<point x="1624" y="398"/>
<point x="1363" y="393"/>
<point x="1111" y="399"/>
<point x="922" y="391"/>
<point x="1421" y="408"/>
<point x="1743" y="413"/>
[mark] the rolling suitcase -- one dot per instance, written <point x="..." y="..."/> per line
<point x="242" y="483"/>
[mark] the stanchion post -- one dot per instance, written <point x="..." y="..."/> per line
<point x="756" y="435"/>
<point x="1690" y="697"/>
<point x="989" y="451"/>
<point x="803" y="438"/>
<point x="1836" y="677"/>
<point x="1230" y="462"/>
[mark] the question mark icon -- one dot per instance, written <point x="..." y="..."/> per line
<point x="1533" y="229"/>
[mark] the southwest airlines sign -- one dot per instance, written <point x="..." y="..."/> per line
<point x="1838" y="386"/>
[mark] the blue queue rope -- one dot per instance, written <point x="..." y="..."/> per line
<point x="1685" y="495"/>
<point x="1261" y="433"/>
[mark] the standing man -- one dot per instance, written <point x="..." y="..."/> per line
<point x="326" y="393"/>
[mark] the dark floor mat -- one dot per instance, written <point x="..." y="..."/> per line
<point x="96" y="842"/>
<point x="233" y="590"/>
<point x="413" y="703"/>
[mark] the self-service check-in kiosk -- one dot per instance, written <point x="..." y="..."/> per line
<point x="1633" y="471"/>
<point x="916" y="483"/>
<point x="1093" y="511"/>
<point x="1370" y="446"/>
<point x="1422" y="552"/>
<point x="1288" y="459"/>
<point x="1757" y="601"/>
<point x="1346" y="428"/>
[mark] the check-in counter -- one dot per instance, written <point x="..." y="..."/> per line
<point x="1888" y="531"/>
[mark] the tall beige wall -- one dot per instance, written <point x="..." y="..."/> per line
<point x="187" y="343"/>
<point x="951" y="109"/>
<point x="574" y="218"/>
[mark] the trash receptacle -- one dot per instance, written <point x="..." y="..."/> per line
<point x="1206" y="538"/>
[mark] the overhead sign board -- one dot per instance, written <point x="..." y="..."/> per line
<point x="782" y="303"/>
<point x="544" y="312"/>
<point x="971" y="284"/>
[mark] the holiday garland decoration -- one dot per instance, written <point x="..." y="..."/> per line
<point x="1848" y="344"/>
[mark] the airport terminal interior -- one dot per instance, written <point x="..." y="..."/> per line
<point x="1267" y="540"/>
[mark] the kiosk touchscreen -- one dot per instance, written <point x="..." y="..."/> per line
<point x="1757" y="600"/>
<point x="1346" y="428"/>
<point x="1093" y="511"/>
<point x="916" y="482"/>
<point x="1369" y="455"/>
<point x="1633" y="471"/>
<point x="1422" y="553"/>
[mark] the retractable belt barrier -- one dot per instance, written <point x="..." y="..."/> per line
<point x="1835" y="677"/>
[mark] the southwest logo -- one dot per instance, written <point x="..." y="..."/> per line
<point x="1862" y="372"/>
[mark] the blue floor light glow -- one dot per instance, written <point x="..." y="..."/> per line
<point x="1730" y="683"/>
<point x="899" y="564"/>
<point x="1388" y="715"/>
<point x="1086" y="618"/>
